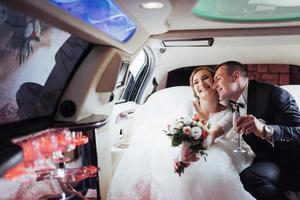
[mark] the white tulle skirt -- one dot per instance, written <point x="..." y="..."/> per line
<point x="146" y="172"/>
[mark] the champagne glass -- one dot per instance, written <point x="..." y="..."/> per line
<point x="239" y="148"/>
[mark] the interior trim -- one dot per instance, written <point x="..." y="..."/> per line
<point x="206" y="33"/>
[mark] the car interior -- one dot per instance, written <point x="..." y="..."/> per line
<point x="80" y="77"/>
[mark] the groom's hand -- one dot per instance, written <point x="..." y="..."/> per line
<point x="250" y="124"/>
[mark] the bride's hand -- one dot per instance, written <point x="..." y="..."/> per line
<point x="190" y="156"/>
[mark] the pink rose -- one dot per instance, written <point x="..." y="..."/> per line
<point x="187" y="130"/>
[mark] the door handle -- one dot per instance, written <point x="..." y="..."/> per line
<point x="125" y="115"/>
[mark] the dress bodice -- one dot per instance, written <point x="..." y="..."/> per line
<point x="222" y="118"/>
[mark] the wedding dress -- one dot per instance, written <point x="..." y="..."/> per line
<point x="146" y="170"/>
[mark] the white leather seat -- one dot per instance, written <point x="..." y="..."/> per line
<point x="294" y="90"/>
<point x="163" y="105"/>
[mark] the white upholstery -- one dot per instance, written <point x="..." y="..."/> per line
<point x="163" y="101"/>
<point x="161" y="108"/>
<point x="169" y="98"/>
<point x="294" y="90"/>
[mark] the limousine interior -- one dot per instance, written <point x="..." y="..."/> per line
<point x="76" y="76"/>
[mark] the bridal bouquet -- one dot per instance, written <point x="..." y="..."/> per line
<point x="190" y="133"/>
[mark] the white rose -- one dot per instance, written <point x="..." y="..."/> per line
<point x="196" y="132"/>
<point x="179" y="125"/>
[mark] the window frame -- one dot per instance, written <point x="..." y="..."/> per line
<point x="134" y="86"/>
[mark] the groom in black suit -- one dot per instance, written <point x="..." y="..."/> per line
<point x="270" y="121"/>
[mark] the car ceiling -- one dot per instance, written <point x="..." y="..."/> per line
<point x="175" y="16"/>
<point x="247" y="42"/>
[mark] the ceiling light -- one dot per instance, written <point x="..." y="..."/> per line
<point x="151" y="5"/>
<point x="201" y="42"/>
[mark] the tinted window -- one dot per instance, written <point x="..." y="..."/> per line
<point x="34" y="66"/>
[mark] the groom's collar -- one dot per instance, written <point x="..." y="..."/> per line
<point x="244" y="96"/>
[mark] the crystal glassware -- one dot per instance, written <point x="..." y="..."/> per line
<point x="239" y="148"/>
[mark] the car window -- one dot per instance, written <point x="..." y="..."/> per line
<point x="35" y="63"/>
<point x="137" y="64"/>
<point x="137" y="71"/>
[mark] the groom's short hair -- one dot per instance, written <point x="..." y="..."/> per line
<point x="232" y="66"/>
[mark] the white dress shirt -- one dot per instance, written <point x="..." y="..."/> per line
<point x="243" y="99"/>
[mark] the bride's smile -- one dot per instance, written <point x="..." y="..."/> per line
<point x="204" y="89"/>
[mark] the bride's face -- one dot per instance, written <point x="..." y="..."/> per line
<point x="203" y="83"/>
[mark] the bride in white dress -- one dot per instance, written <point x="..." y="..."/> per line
<point x="146" y="171"/>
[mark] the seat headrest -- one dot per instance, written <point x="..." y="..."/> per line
<point x="164" y="106"/>
<point x="294" y="90"/>
<point x="177" y="94"/>
<point x="168" y="100"/>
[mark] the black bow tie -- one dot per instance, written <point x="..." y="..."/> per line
<point x="235" y="107"/>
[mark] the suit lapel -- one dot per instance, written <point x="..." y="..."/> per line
<point x="251" y="97"/>
<point x="250" y="108"/>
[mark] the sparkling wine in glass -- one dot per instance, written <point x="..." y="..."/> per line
<point x="239" y="148"/>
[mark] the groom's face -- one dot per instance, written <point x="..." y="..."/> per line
<point x="224" y="84"/>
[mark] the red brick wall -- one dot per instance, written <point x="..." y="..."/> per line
<point x="276" y="74"/>
<point x="294" y="74"/>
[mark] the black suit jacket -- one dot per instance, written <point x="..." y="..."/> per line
<point x="277" y="108"/>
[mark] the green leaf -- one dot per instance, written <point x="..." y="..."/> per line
<point x="176" y="142"/>
<point x="177" y="139"/>
<point x="208" y="126"/>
